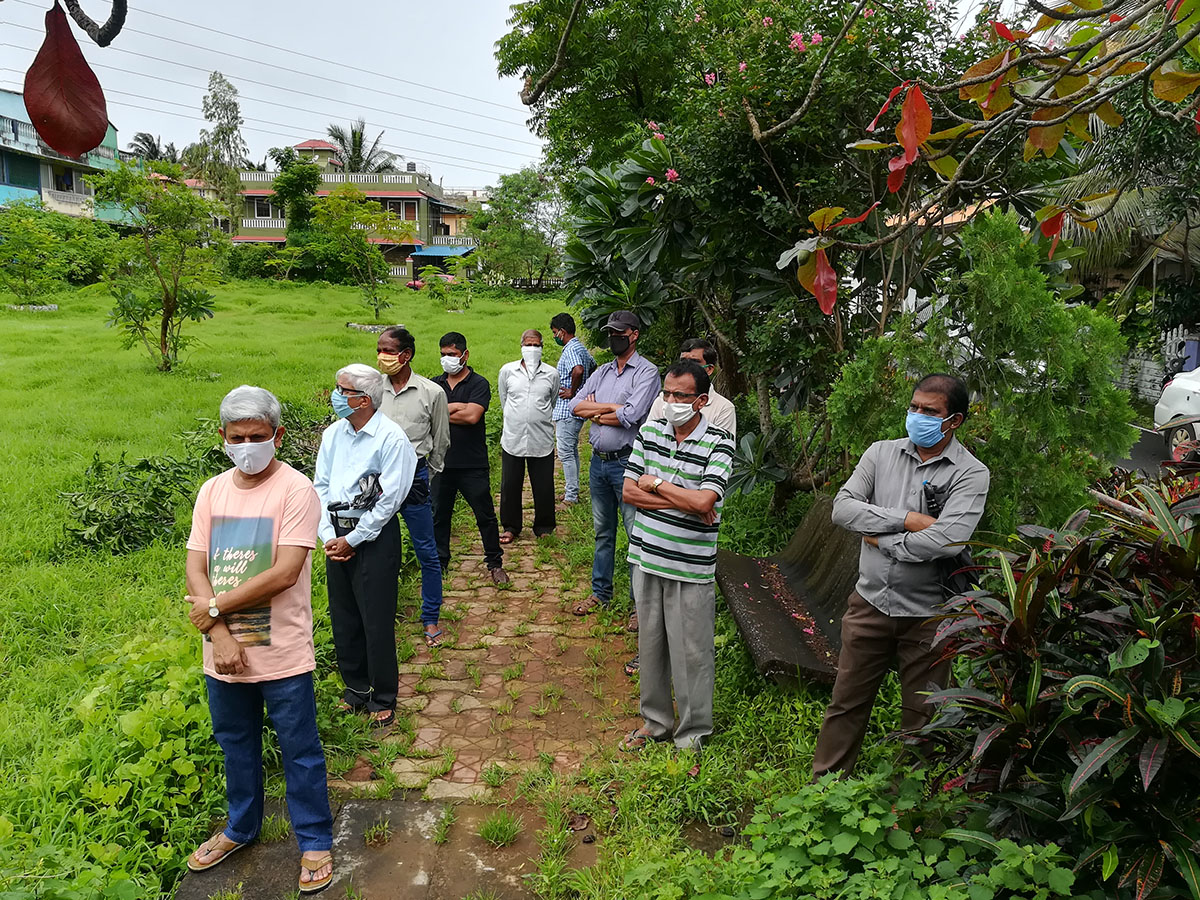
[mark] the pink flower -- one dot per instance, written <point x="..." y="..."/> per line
<point x="697" y="19"/>
<point x="867" y="13"/>
<point x="797" y="42"/>
<point x="741" y="67"/>
<point x="710" y="78"/>
<point x="659" y="136"/>
<point x="672" y="175"/>
<point x="816" y="38"/>
<point x="808" y="630"/>
<point x="653" y="126"/>
<point x="767" y="21"/>
<point x="650" y="180"/>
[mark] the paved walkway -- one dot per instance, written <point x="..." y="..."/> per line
<point x="519" y="678"/>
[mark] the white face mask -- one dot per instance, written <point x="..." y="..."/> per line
<point x="251" y="458"/>
<point x="532" y="356"/>
<point x="678" y="413"/>
<point x="451" y="365"/>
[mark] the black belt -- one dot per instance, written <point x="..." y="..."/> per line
<point x="623" y="453"/>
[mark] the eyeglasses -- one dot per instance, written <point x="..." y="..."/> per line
<point x="705" y="366"/>
<point x="676" y="397"/>
<point x="346" y="392"/>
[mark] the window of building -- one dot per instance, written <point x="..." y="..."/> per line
<point x="410" y="210"/>
<point x="20" y="171"/>
<point x="262" y="208"/>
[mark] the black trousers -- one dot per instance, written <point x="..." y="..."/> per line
<point x="541" y="483"/>
<point x="476" y="487"/>
<point x="362" y="609"/>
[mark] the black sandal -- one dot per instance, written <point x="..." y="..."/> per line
<point x="433" y="639"/>
<point x="383" y="721"/>
<point x="632" y="666"/>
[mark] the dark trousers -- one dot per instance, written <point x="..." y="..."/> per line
<point x="476" y="487"/>
<point x="237" y="719"/>
<point x="541" y="483"/>
<point x="362" y="609"/>
<point x="871" y="641"/>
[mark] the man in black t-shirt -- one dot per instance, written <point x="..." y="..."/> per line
<point x="466" y="468"/>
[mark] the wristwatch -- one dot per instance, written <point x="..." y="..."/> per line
<point x="213" y="612"/>
<point x="654" y="485"/>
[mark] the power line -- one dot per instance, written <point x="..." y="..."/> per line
<point x="273" y="103"/>
<point x="284" y="135"/>
<point x="361" y="87"/>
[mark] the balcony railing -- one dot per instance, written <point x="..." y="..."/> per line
<point x="264" y="223"/>
<point x="398" y="271"/>
<point x="258" y="176"/>
<point x="453" y="240"/>
<point x="68" y="198"/>
<point x="380" y="178"/>
<point x="17" y="135"/>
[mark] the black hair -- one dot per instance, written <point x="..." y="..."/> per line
<point x="710" y="352"/>
<point x="958" y="400"/>
<point x="563" y="322"/>
<point x="401" y="336"/>
<point x="693" y="368"/>
<point x="455" y="340"/>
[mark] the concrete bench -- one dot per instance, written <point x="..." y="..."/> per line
<point x="789" y="606"/>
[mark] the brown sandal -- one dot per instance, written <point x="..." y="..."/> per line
<point x="584" y="607"/>
<point x="210" y="846"/>
<point x="637" y="739"/>
<point x="313" y="866"/>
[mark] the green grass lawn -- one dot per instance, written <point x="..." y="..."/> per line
<point x="66" y="622"/>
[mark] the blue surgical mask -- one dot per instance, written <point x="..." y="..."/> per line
<point x="341" y="405"/>
<point x="924" y="431"/>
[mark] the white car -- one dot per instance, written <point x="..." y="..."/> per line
<point x="1178" y="410"/>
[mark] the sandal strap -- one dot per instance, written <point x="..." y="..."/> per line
<point x="315" y="865"/>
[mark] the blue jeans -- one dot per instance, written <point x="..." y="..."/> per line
<point x="606" y="479"/>
<point x="567" y="432"/>
<point x="237" y="719"/>
<point x="418" y="518"/>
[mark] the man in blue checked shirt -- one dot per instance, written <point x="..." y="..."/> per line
<point x="575" y="365"/>
<point x="361" y="534"/>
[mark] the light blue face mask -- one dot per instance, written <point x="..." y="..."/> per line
<point x="341" y="405"/>
<point x="924" y="431"/>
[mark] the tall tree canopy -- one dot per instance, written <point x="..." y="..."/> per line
<point x="354" y="153"/>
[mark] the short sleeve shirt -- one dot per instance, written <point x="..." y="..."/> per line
<point x="468" y="443"/>
<point x="666" y="542"/>
<point x="240" y="530"/>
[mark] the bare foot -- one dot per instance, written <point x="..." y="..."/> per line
<point x="308" y="876"/>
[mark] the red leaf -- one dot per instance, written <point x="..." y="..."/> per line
<point x="1003" y="30"/>
<point x="826" y="283"/>
<point x="1173" y="7"/>
<point x="62" y="94"/>
<point x="1114" y="19"/>
<point x="916" y="124"/>
<point x="886" y="104"/>
<point x="1052" y="225"/>
<point x="896" y="169"/>
<point x="1000" y="80"/>
<point x="856" y="219"/>
<point x="1053" y="247"/>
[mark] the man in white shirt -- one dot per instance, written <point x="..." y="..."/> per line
<point x="528" y="390"/>
<point x="365" y="468"/>
<point x="719" y="411"/>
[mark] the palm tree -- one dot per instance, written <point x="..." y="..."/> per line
<point x="352" y="150"/>
<point x="150" y="148"/>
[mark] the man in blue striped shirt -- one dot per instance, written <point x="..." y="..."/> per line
<point x="574" y="366"/>
<point x="676" y="478"/>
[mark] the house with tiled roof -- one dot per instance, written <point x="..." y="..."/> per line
<point x="410" y="193"/>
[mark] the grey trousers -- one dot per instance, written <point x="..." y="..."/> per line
<point x="675" y="643"/>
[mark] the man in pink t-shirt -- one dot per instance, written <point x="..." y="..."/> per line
<point x="249" y="581"/>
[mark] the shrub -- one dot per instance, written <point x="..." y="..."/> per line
<point x="251" y="261"/>
<point x="1078" y="716"/>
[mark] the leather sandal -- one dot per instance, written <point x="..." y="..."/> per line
<point x="209" y="846"/>
<point x="312" y="867"/>
<point x="584" y="607"/>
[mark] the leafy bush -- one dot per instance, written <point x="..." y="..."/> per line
<point x="1049" y="417"/>
<point x="251" y="261"/>
<point x="124" y="506"/>
<point x="1078" y="716"/>
<point x="859" y="839"/>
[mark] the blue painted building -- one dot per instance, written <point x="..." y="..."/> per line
<point x="30" y="170"/>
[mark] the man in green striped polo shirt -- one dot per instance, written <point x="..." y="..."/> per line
<point x="676" y="477"/>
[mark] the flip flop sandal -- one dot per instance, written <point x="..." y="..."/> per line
<point x="434" y="639"/>
<point x="312" y="887"/>
<point x="197" y="866"/>
<point x="632" y="666"/>
<point x="636" y="740"/>
<point x="383" y="722"/>
<point x="345" y="707"/>
<point x="507" y="538"/>
<point x="585" y="607"/>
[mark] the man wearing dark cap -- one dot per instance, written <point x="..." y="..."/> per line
<point x="616" y="398"/>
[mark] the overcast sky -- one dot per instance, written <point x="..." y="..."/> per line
<point x="329" y="61"/>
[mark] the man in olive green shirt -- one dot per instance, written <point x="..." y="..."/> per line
<point x="418" y="406"/>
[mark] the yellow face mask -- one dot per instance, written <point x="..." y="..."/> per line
<point x="389" y="363"/>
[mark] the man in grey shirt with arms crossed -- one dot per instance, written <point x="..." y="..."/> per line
<point x="899" y="582"/>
